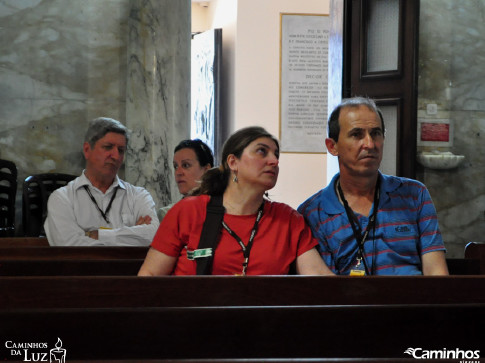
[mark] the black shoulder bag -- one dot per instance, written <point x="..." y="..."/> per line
<point x="210" y="236"/>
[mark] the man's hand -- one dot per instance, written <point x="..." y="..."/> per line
<point x="92" y="234"/>
<point x="144" y="220"/>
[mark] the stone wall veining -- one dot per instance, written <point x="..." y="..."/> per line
<point x="451" y="74"/>
<point x="63" y="63"/>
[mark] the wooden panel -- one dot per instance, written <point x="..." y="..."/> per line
<point x="386" y="85"/>
<point x="463" y="266"/>
<point x="79" y="253"/>
<point x="95" y="267"/>
<point x="261" y="360"/>
<point x="23" y="241"/>
<point x="476" y="250"/>
<point x="250" y="332"/>
<point x="123" y="291"/>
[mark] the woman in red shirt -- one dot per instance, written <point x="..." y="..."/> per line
<point x="258" y="236"/>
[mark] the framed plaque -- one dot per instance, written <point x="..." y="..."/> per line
<point x="303" y="82"/>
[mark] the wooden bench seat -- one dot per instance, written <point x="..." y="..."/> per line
<point x="132" y="291"/>
<point x="365" y="331"/>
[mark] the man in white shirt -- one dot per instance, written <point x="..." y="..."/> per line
<point x="98" y="208"/>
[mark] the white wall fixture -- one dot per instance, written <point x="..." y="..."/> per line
<point x="440" y="159"/>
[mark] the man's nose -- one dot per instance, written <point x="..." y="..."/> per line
<point x="369" y="141"/>
<point x="115" y="154"/>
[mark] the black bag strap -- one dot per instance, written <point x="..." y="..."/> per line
<point x="209" y="238"/>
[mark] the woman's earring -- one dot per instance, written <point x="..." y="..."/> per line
<point x="235" y="180"/>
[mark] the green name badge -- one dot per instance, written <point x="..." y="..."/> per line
<point x="204" y="252"/>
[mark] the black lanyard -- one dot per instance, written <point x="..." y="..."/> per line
<point x="246" y="249"/>
<point x="105" y="213"/>
<point x="354" y="223"/>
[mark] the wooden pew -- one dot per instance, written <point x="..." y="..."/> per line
<point x="245" y="318"/>
<point x="249" y="332"/>
<point x="59" y="266"/>
<point x="463" y="266"/>
<point x="71" y="253"/>
<point x="132" y="291"/>
<point x="23" y="242"/>
<point x="262" y="360"/>
<point x="476" y="251"/>
<point x="92" y="267"/>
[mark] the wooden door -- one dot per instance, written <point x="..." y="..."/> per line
<point x="380" y="54"/>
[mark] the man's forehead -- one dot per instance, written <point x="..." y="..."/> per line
<point x="359" y="117"/>
<point x="113" y="138"/>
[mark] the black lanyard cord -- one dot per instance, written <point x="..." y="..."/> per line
<point x="357" y="230"/>
<point x="246" y="249"/>
<point x="105" y="213"/>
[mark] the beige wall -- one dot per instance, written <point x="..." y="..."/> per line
<point x="251" y="85"/>
<point x="200" y="19"/>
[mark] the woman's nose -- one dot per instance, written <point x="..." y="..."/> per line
<point x="273" y="159"/>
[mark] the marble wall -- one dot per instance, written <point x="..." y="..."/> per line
<point x="158" y="92"/>
<point x="452" y="75"/>
<point x="65" y="62"/>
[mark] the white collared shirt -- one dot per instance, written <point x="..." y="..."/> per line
<point x="71" y="213"/>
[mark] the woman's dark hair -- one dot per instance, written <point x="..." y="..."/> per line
<point x="215" y="180"/>
<point x="354" y="102"/>
<point x="201" y="150"/>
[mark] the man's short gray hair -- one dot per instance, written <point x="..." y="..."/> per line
<point x="101" y="126"/>
<point x="354" y="102"/>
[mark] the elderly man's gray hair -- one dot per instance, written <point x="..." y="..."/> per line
<point x="101" y="126"/>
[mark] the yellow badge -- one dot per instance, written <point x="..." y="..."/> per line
<point x="358" y="269"/>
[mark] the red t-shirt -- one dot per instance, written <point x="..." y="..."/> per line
<point x="282" y="236"/>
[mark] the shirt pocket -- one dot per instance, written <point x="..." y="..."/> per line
<point x="402" y="238"/>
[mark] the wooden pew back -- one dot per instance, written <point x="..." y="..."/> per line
<point x="23" y="242"/>
<point x="91" y="267"/>
<point x="374" y="331"/>
<point x="71" y="253"/>
<point x="125" y="291"/>
<point x="476" y="251"/>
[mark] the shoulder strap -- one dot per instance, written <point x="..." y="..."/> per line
<point x="209" y="238"/>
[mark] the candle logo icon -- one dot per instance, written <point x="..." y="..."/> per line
<point x="58" y="354"/>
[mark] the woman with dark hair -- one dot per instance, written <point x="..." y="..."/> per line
<point x="191" y="159"/>
<point x="257" y="236"/>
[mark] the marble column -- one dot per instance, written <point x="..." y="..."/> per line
<point x="158" y="92"/>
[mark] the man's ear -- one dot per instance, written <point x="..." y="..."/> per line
<point x="86" y="149"/>
<point x="331" y="146"/>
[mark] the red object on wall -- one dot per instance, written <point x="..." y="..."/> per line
<point x="435" y="132"/>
